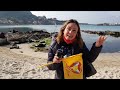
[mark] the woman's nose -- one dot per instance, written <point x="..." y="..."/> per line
<point x="70" y="31"/>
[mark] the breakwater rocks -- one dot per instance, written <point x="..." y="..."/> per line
<point x="111" y="33"/>
<point x="22" y="37"/>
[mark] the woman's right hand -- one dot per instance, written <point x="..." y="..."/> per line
<point x="56" y="59"/>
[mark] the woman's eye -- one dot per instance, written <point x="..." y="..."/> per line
<point x="74" y="30"/>
<point x="68" y="29"/>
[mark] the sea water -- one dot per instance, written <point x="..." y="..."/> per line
<point x="112" y="44"/>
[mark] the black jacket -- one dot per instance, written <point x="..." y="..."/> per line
<point x="72" y="49"/>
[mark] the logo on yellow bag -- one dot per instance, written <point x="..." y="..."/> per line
<point x="73" y="67"/>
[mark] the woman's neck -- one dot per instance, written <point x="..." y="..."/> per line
<point x="68" y="41"/>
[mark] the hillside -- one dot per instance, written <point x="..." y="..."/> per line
<point x="25" y="17"/>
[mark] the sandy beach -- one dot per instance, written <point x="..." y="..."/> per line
<point x="24" y="63"/>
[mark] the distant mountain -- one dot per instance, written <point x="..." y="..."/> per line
<point x="25" y="17"/>
<point x="16" y="14"/>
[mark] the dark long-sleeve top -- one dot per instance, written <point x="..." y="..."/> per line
<point x="72" y="49"/>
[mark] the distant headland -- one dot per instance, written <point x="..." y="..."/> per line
<point x="27" y="18"/>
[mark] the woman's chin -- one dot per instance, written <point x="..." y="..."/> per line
<point x="68" y="38"/>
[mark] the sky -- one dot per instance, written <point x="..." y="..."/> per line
<point x="91" y="17"/>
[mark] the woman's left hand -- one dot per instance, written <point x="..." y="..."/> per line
<point x="100" y="41"/>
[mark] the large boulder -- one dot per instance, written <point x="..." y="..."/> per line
<point x="3" y="41"/>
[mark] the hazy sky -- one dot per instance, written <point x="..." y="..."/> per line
<point x="91" y="17"/>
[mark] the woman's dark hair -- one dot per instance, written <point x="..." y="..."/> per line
<point x="79" y="39"/>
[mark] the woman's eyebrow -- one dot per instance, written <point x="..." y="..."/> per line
<point x="72" y="27"/>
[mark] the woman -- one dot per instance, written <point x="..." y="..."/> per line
<point x="70" y="42"/>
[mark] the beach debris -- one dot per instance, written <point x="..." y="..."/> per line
<point x="14" y="45"/>
<point x="21" y="51"/>
<point x="41" y="44"/>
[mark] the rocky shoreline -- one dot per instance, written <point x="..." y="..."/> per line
<point x="22" y="37"/>
<point x="111" y="33"/>
<point x="23" y="63"/>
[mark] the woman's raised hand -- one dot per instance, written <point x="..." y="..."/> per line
<point x="100" y="41"/>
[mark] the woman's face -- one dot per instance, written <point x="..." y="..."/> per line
<point x="70" y="31"/>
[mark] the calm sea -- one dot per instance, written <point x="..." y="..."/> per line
<point x="52" y="28"/>
<point x="112" y="44"/>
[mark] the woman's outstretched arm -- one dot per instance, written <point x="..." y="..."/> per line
<point x="95" y="50"/>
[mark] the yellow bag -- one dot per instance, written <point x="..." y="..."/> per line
<point x="73" y="67"/>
